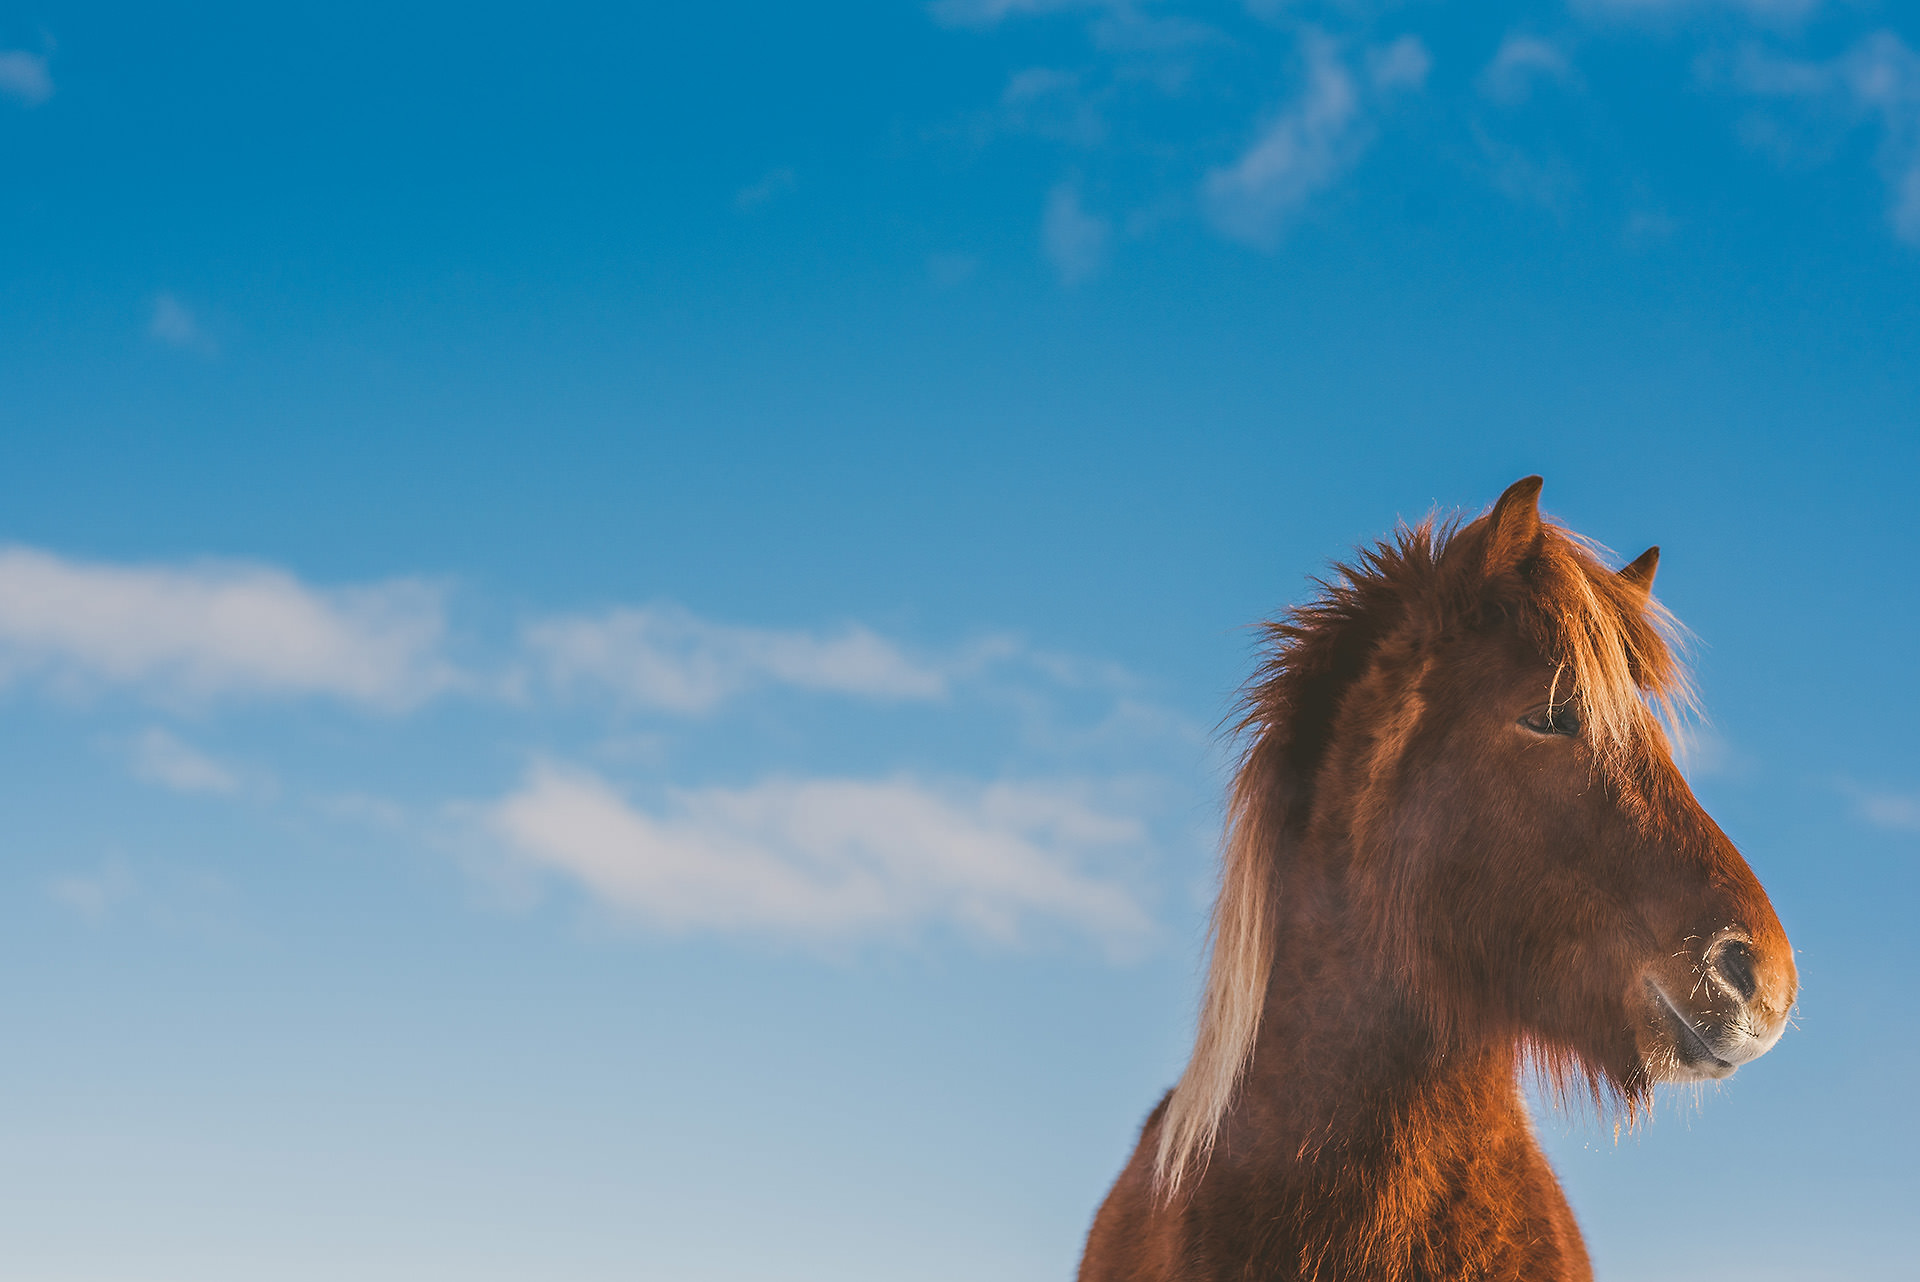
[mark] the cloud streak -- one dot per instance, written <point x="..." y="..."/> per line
<point x="24" y="77"/>
<point x="1312" y="142"/>
<point x="830" y="858"/>
<point x="194" y="632"/>
<point x="1877" y="80"/>
<point x="1051" y="104"/>
<point x="204" y="631"/>
<point x="1774" y="11"/>
<point x="1522" y="62"/>
<point x="173" y="324"/>
<point x="797" y="857"/>
<point x="666" y="658"/>
<point x="989" y="13"/>
<point x="1898" y="812"/>
<point x="161" y="758"/>
<point x="94" y="896"/>
<point x="1074" y="241"/>
<point x="775" y="182"/>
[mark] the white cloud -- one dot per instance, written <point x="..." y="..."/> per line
<point x="368" y="811"/>
<point x="1521" y="62"/>
<point x="159" y="757"/>
<point x="1548" y="180"/>
<point x="1878" y="79"/>
<point x="949" y="271"/>
<point x="1051" y="103"/>
<point x="1776" y="11"/>
<point x="1646" y="227"/>
<point x="24" y="76"/>
<point x="1115" y="26"/>
<point x="1898" y="811"/>
<point x="1124" y="28"/>
<point x="1311" y="143"/>
<point x="987" y="13"/>
<point x="208" y="630"/>
<point x="828" y="858"/>
<point x="1705" y="753"/>
<point x="175" y="326"/>
<point x="665" y="657"/>
<point x="1404" y="64"/>
<point x="94" y="895"/>
<point x="773" y="183"/>
<point x="1892" y="812"/>
<point x="1074" y="240"/>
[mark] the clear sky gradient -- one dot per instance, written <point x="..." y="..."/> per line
<point x="612" y="620"/>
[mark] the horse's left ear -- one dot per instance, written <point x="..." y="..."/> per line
<point x="1638" y="573"/>
<point x="1514" y="524"/>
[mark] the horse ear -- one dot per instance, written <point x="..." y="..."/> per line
<point x="1514" y="523"/>
<point x="1638" y="573"/>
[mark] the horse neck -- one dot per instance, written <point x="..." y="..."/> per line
<point x="1345" y="1067"/>
<point x="1360" y="1145"/>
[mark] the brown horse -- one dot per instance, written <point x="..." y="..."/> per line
<point x="1457" y="844"/>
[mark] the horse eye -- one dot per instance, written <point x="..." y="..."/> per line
<point x="1556" y="719"/>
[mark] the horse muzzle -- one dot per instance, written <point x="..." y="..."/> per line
<point x="1707" y="1013"/>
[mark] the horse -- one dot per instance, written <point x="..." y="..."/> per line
<point x="1457" y="847"/>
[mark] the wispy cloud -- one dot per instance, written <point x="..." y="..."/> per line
<point x="1645" y="227"/>
<point x="1052" y="104"/>
<point x="1297" y="155"/>
<point x="1546" y="179"/>
<point x="200" y="631"/>
<point x="1898" y="811"/>
<point x="987" y="13"/>
<point x="1127" y="29"/>
<point x="667" y="658"/>
<point x="163" y="758"/>
<point x="1148" y="67"/>
<point x="94" y="895"/>
<point x="1402" y="65"/>
<point x="831" y="858"/>
<point x="173" y="324"/>
<point x="24" y="77"/>
<point x="1117" y="25"/>
<point x="948" y="271"/>
<point x="790" y="856"/>
<point x="1314" y="140"/>
<point x="1074" y="241"/>
<point x="1774" y="11"/>
<point x="775" y="182"/>
<point x="1705" y="753"/>
<point x="1521" y="63"/>
<point x="1877" y="80"/>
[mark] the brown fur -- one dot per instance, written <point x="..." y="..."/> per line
<point x="1418" y="894"/>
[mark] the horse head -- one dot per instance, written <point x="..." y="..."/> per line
<point x="1526" y="857"/>
<point x="1459" y="771"/>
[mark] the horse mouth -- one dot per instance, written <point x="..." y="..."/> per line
<point x="1691" y="1049"/>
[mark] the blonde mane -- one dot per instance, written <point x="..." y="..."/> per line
<point x="1616" y="643"/>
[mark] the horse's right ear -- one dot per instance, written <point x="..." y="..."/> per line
<point x="1514" y="524"/>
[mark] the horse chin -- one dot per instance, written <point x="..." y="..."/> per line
<point x="1687" y="1048"/>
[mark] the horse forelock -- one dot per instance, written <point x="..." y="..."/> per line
<point x="1619" y="649"/>
<point x="1618" y="653"/>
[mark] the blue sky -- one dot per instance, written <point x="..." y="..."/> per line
<point x="611" y="623"/>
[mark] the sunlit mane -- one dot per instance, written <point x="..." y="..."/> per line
<point x="1618" y="651"/>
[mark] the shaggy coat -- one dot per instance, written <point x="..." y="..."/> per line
<point x="1457" y="844"/>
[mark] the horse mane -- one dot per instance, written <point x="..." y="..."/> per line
<point x="1618" y="645"/>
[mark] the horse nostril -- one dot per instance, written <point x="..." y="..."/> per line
<point x="1734" y="962"/>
